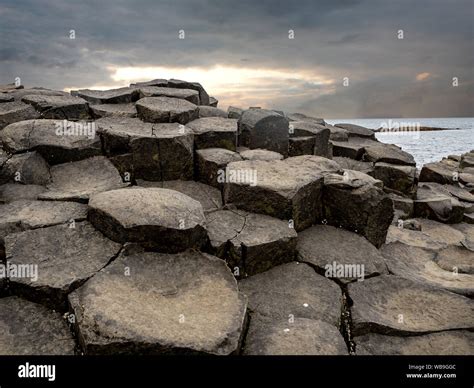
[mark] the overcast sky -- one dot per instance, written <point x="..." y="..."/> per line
<point x="242" y="53"/>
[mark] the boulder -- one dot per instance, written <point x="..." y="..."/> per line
<point x="179" y="84"/>
<point x="292" y="291"/>
<point x="111" y="96"/>
<point x="234" y="112"/>
<point x="336" y="133"/>
<point x="214" y="132"/>
<point x="357" y="131"/>
<point x="288" y="189"/>
<point x="11" y="112"/>
<point x="59" y="107"/>
<point x="356" y="202"/>
<point x="357" y="165"/>
<point x="403" y="207"/>
<point x="393" y="305"/>
<point x="58" y="141"/>
<point x="354" y="258"/>
<point x="434" y="202"/>
<point x="439" y="173"/>
<point x="27" y="168"/>
<point x="213" y="102"/>
<point x="418" y="264"/>
<point x="303" y="145"/>
<point x="250" y="243"/>
<point x="158" y="152"/>
<point x="108" y="110"/>
<point x="65" y="257"/>
<point x="77" y="181"/>
<point x="24" y="215"/>
<point x="155" y="82"/>
<point x="184" y="94"/>
<point x="468" y="231"/>
<point x="11" y="192"/>
<point x="387" y="153"/>
<point x="211" y="165"/>
<point x="447" y="343"/>
<point x="28" y="328"/>
<point x="258" y="154"/>
<point x="187" y="303"/>
<point x="347" y="149"/>
<point x="209" y="197"/>
<point x="159" y="219"/>
<point x="303" y="117"/>
<point x="319" y="134"/>
<point x="302" y="337"/>
<point x="210" y="111"/>
<point x="261" y="128"/>
<point x="166" y="110"/>
<point x="400" y="178"/>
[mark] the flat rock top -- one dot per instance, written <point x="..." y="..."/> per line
<point x="468" y="232"/>
<point x="293" y="288"/>
<point x="4" y="97"/>
<point x="433" y="235"/>
<point x="134" y="128"/>
<point x="302" y="337"/>
<point x="64" y="254"/>
<point x="183" y="302"/>
<point x="28" y="328"/>
<point x="107" y="96"/>
<point x="23" y="214"/>
<point x="351" y="179"/>
<point x="357" y="130"/>
<point x="219" y="156"/>
<point x="389" y="153"/>
<point x="121" y="110"/>
<point x="322" y="245"/>
<point x="155" y="91"/>
<point x="245" y="228"/>
<point x="436" y="344"/>
<point x="14" y="106"/>
<point x="260" y="154"/>
<point x="286" y="176"/>
<point x="212" y="124"/>
<point x="253" y="116"/>
<point x="45" y="101"/>
<point x="418" y="264"/>
<point x="30" y="134"/>
<point x="389" y="304"/>
<point x="79" y="180"/>
<point x="166" y="104"/>
<point x="307" y="128"/>
<point x="149" y="206"/>
<point x="209" y="197"/>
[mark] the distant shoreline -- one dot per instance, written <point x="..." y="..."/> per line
<point x="421" y="129"/>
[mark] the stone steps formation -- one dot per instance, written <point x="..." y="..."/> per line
<point x="146" y="220"/>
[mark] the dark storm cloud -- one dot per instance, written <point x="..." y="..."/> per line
<point x="336" y="39"/>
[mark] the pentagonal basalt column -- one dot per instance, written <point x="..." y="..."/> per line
<point x="261" y="128"/>
<point x="166" y="110"/>
<point x="57" y="259"/>
<point x="159" y="219"/>
<point x="111" y="96"/>
<point x="152" y="303"/>
<point x="58" y="141"/>
<point x="214" y="132"/>
<point x="59" y="107"/>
